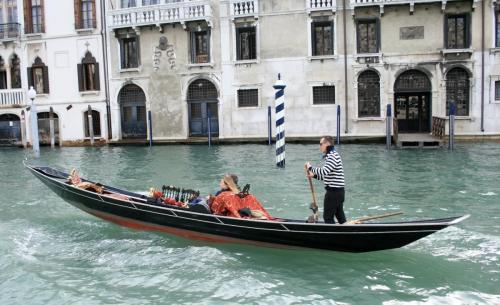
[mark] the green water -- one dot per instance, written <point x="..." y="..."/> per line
<point x="53" y="253"/>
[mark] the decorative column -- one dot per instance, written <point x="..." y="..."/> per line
<point x="279" y="97"/>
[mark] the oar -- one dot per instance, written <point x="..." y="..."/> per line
<point x="314" y="205"/>
<point x="363" y="219"/>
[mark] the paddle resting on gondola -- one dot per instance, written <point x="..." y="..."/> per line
<point x="140" y="212"/>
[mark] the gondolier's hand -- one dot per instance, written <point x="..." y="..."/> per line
<point x="307" y="167"/>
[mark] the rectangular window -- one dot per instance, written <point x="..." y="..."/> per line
<point x="149" y="2"/>
<point x="200" y="47"/>
<point x="36" y="16"/>
<point x="248" y="98"/>
<point x="497" y="29"/>
<point x="497" y="90"/>
<point x="368" y="36"/>
<point x="323" y="95"/>
<point x="87" y="14"/>
<point x="457" y="32"/>
<point x="129" y="51"/>
<point x="246" y="47"/>
<point x="322" y="38"/>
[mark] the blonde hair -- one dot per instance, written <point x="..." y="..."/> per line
<point x="230" y="183"/>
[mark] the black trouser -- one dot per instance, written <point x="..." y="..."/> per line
<point x="334" y="205"/>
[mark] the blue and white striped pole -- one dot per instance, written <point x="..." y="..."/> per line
<point x="279" y="97"/>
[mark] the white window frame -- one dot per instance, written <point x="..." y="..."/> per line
<point x="259" y="97"/>
<point x="310" y="56"/>
<point x="321" y="84"/>
<point x="255" y="24"/>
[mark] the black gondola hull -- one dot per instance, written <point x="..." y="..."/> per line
<point x="137" y="213"/>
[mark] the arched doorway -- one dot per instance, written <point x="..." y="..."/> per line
<point x="133" y="112"/>
<point x="10" y="129"/>
<point x="44" y="128"/>
<point x="412" y="99"/>
<point x="202" y="101"/>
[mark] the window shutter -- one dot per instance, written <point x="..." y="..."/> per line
<point x="42" y="8"/>
<point x="238" y="44"/>
<point x="209" y="33"/>
<point x="78" y="8"/>
<point x="27" y="17"/>
<point x="94" y="20"/>
<point x="192" y="40"/>
<point x="79" y="68"/>
<point x="30" y="77"/>
<point x="97" y="84"/>
<point x="46" y="79"/>
<point x="313" y="39"/>
<point x="332" y="41"/>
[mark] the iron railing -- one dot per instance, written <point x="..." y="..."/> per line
<point x="10" y="31"/>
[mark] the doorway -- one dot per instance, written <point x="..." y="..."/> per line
<point x="412" y="102"/>
<point x="203" y="109"/>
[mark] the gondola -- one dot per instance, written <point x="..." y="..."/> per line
<point x="136" y="211"/>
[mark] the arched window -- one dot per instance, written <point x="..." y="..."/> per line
<point x="88" y="74"/>
<point x="412" y="81"/>
<point x="368" y="94"/>
<point x="96" y="123"/>
<point x="38" y="76"/>
<point x="202" y="89"/>
<point x="3" y="74"/>
<point x="457" y="91"/>
<point x="15" y="72"/>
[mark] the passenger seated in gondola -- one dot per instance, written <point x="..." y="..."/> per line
<point x="231" y="202"/>
<point x="74" y="179"/>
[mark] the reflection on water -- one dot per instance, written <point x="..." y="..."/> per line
<point x="52" y="253"/>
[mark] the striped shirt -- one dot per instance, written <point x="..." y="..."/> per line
<point x="332" y="172"/>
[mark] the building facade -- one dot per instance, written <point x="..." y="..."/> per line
<point x="188" y="60"/>
<point x="56" y="47"/>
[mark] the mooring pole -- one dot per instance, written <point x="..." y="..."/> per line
<point x="35" y="143"/>
<point x="338" y="124"/>
<point x="451" y="132"/>
<point x="269" y="135"/>
<point x="209" y="129"/>
<point x="150" y="129"/>
<point x="388" y="123"/>
<point x="91" y="125"/>
<point x="51" y="128"/>
<point x="23" y="129"/>
<point x="279" y="98"/>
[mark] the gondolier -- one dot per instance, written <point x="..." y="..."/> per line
<point x="332" y="174"/>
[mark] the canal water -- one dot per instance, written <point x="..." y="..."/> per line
<point x="53" y="253"/>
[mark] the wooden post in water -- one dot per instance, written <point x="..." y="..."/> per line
<point x="279" y="97"/>
<point x="23" y="129"/>
<point x="150" y="123"/>
<point x="451" y="132"/>
<point x="51" y="128"/>
<point x="388" y="123"/>
<point x="91" y="125"/>
<point x="338" y="124"/>
<point x="269" y="135"/>
<point x="209" y="124"/>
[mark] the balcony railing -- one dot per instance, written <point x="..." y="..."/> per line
<point x="355" y="3"/>
<point x="242" y="8"/>
<point x="160" y="14"/>
<point x="318" y="5"/>
<point x="9" y="31"/>
<point x="12" y="97"/>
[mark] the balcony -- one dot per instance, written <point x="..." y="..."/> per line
<point x="12" y="98"/>
<point x="178" y="12"/>
<point x="239" y="8"/>
<point x="321" y="5"/>
<point x="9" y="31"/>
<point x="411" y="3"/>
